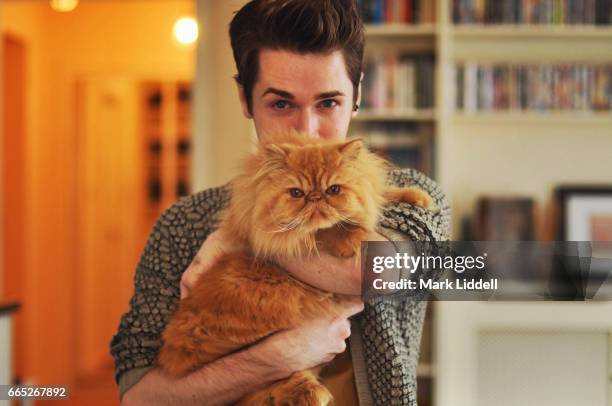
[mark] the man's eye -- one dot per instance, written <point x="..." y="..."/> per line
<point x="281" y="104"/>
<point x="295" y="192"/>
<point x="329" y="103"/>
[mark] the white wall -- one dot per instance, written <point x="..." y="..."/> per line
<point x="222" y="134"/>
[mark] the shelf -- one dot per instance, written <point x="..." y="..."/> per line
<point x="557" y="117"/>
<point x="399" y="30"/>
<point x="426" y="371"/>
<point x="395" y="115"/>
<point x="531" y="31"/>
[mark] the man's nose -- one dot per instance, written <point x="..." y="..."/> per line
<point x="308" y="123"/>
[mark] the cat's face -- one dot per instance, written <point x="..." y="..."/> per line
<point x="295" y="185"/>
<point x="312" y="187"/>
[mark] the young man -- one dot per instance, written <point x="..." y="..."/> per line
<point x="299" y="67"/>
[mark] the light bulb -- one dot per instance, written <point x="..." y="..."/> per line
<point x="63" y="6"/>
<point x="186" y="30"/>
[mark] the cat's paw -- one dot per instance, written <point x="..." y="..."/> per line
<point x="413" y="195"/>
<point x="422" y="199"/>
<point x="350" y="243"/>
<point x="310" y="394"/>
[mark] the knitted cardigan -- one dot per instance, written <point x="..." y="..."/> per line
<point x="385" y="338"/>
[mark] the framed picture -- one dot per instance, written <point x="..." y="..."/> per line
<point x="505" y="219"/>
<point x="585" y="213"/>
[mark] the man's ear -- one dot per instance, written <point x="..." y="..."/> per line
<point x="243" y="101"/>
<point x="358" y="98"/>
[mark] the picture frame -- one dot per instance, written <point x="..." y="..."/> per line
<point x="585" y="213"/>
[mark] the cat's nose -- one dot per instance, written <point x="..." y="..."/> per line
<point x="313" y="196"/>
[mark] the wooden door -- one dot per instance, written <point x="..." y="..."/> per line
<point x="108" y="220"/>
<point x="13" y="151"/>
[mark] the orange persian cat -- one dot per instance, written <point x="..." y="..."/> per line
<point x="295" y="196"/>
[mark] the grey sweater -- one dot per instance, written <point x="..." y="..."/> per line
<point x="385" y="339"/>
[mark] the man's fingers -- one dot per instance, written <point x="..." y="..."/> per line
<point x="184" y="290"/>
<point x="351" y="309"/>
<point x="340" y="330"/>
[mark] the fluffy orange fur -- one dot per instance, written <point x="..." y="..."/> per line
<point x="295" y="196"/>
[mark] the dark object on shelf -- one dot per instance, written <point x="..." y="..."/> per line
<point x="183" y="146"/>
<point x="425" y="391"/>
<point x="155" y="100"/>
<point x="155" y="191"/>
<point x="504" y="219"/>
<point x="184" y="95"/>
<point x="155" y="147"/>
<point x="182" y="188"/>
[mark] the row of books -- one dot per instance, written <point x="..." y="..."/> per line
<point x="398" y="82"/>
<point x="407" y="146"/>
<point x="397" y="11"/>
<point x="546" y="87"/>
<point x="532" y="11"/>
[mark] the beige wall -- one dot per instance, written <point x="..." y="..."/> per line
<point x="222" y="134"/>
<point x="127" y="39"/>
<point x="516" y="158"/>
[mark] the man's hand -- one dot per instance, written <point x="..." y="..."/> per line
<point x="313" y="343"/>
<point x="214" y="247"/>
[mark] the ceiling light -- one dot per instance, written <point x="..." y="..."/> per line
<point x="63" y="6"/>
<point x="186" y="30"/>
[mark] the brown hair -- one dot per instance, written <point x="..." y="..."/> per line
<point x="301" y="26"/>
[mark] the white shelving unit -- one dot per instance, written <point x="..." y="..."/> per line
<point x="395" y="115"/>
<point x="513" y="152"/>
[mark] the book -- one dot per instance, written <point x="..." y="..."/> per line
<point x="544" y="12"/>
<point x="533" y="87"/>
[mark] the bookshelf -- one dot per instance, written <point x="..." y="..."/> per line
<point x="427" y="115"/>
<point x="166" y="144"/>
<point x="531" y="32"/>
<point x="489" y="145"/>
<point x="400" y="30"/>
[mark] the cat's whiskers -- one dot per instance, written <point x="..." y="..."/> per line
<point x="291" y="225"/>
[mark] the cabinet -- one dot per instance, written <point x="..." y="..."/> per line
<point x="166" y="143"/>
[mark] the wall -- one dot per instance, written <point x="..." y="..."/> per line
<point x="25" y="21"/>
<point x="127" y="39"/>
<point x="222" y="134"/>
<point x="526" y="159"/>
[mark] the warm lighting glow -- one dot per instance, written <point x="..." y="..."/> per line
<point x="186" y="30"/>
<point x="63" y="6"/>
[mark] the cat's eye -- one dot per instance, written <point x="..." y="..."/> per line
<point x="333" y="190"/>
<point x="295" y="192"/>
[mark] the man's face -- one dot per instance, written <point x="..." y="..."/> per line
<point x="309" y="93"/>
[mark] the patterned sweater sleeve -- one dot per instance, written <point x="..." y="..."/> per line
<point x="172" y="244"/>
<point x="407" y="222"/>
<point x="391" y="329"/>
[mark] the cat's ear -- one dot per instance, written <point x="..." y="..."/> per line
<point x="277" y="151"/>
<point x="352" y="148"/>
